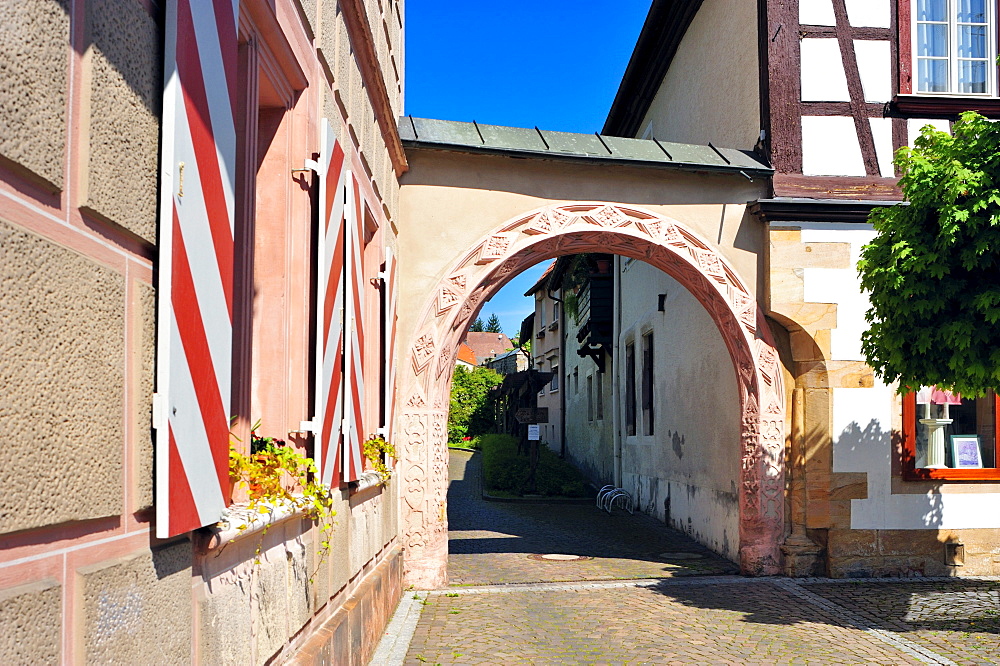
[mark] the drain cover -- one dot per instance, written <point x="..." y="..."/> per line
<point x="559" y="557"/>
<point x="680" y="556"/>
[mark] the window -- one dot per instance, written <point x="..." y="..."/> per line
<point x="554" y="384"/>
<point x="949" y="437"/>
<point x="599" y="397"/>
<point x="630" y="389"/>
<point x="590" y="397"/>
<point x="954" y="46"/>
<point x="647" y="384"/>
<point x="576" y="381"/>
<point x="555" y="311"/>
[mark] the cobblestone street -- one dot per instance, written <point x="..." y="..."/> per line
<point x="650" y="595"/>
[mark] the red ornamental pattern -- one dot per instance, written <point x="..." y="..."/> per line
<point x="587" y="227"/>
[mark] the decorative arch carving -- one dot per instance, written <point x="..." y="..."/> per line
<point x="572" y="229"/>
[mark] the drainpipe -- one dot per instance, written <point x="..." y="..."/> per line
<point x="615" y="392"/>
<point x="563" y="385"/>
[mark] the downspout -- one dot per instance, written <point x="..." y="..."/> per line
<point x="563" y="386"/>
<point x="615" y="391"/>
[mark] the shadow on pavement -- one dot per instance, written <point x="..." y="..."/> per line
<point x="489" y="542"/>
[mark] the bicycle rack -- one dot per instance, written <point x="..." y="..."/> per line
<point x="608" y="495"/>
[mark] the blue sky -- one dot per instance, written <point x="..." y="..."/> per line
<point x="555" y="64"/>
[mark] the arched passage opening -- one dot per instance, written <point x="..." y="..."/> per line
<point x="574" y="229"/>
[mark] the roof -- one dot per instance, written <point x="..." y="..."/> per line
<point x="661" y="34"/>
<point x="543" y="279"/>
<point x="486" y="345"/>
<point x="466" y="354"/>
<point x="588" y="148"/>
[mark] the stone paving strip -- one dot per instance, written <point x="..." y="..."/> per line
<point x="645" y="594"/>
<point x="736" y="621"/>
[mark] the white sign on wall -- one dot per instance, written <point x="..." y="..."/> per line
<point x="534" y="432"/>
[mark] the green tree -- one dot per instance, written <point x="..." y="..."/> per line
<point x="472" y="407"/>
<point x="493" y="324"/>
<point x="932" y="271"/>
<point x="478" y="326"/>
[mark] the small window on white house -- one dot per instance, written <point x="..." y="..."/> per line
<point x="647" y="384"/>
<point x="599" y="397"/>
<point x="590" y="397"/>
<point x="954" y="43"/>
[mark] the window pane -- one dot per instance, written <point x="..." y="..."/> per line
<point x="932" y="10"/>
<point x="973" y="422"/>
<point x="932" y="40"/>
<point x="972" y="11"/>
<point x="972" y="76"/>
<point x="971" y="41"/>
<point x="932" y="75"/>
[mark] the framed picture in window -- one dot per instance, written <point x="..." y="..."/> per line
<point x="966" y="452"/>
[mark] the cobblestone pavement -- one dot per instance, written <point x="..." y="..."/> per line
<point x="489" y="542"/>
<point x="672" y="616"/>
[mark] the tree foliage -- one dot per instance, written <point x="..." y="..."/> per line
<point x="493" y="324"/>
<point x="472" y="410"/>
<point x="478" y="326"/>
<point x="933" y="270"/>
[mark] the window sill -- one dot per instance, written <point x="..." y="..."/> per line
<point x="943" y="106"/>
<point x="368" y="480"/>
<point x="230" y="528"/>
<point x="951" y="474"/>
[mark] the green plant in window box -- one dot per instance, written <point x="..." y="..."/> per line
<point x="276" y="475"/>
<point x="377" y="449"/>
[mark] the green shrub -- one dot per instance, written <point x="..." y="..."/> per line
<point x="506" y="471"/>
<point x="472" y="409"/>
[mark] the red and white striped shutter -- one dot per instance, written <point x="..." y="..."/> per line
<point x="355" y="336"/>
<point x="330" y="310"/>
<point x="194" y="336"/>
<point x="389" y="328"/>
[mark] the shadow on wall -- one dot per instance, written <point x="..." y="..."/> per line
<point x="879" y="455"/>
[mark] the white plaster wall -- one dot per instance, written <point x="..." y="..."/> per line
<point x="589" y="443"/>
<point x="686" y="473"/>
<point x="863" y="417"/>
<point x="868" y="13"/>
<point x="830" y="147"/>
<point x="914" y="125"/>
<point x="823" y="78"/>
<point x="816" y="12"/>
<point x="882" y="134"/>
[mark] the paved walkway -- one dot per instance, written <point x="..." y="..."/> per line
<point x="672" y="611"/>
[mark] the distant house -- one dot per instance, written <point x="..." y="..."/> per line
<point x="465" y="357"/>
<point x="486" y="345"/>
<point x="509" y="362"/>
<point x="546" y="350"/>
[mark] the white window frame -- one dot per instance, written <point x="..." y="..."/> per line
<point x="953" y="59"/>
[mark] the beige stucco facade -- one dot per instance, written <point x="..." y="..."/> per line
<point x="455" y="199"/>
<point x="711" y="92"/>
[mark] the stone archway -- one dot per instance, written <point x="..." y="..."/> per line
<point x="572" y="229"/>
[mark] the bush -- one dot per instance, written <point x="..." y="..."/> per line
<point x="506" y="471"/>
<point x="472" y="409"/>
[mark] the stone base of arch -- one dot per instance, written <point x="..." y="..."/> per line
<point x="572" y="229"/>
